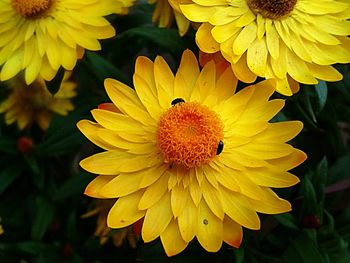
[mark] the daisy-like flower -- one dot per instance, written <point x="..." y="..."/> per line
<point x="164" y="14"/>
<point x="34" y="103"/>
<point x="189" y="156"/>
<point x="40" y="36"/>
<point x="290" y="41"/>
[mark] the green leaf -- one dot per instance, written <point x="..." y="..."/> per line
<point x="322" y="93"/>
<point x="73" y="186"/>
<point x="319" y="180"/>
<point x="287" y="220"/>
<point x="9" y="174"/>
<point x="167" y="39"/>
<point x="36" y="169"/>
<point x="302" y="250"/>
<point x="310" y="205"/>
<point x="239" y="255"/>
<point x="54" y="85"/>
<point x="44" y="215"/>
<point x="8" y="146"/>
<point x="102" y="68"/>
<point x="34" y="247"/>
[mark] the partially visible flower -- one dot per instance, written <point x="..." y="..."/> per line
<point x="189" y="155"/>
<point x="1" y="230"/>
<point x="40" y="36"/>
<point x="102" y="231"/>
<point x="34" y="103"/>
<point x="164" y="14"/>
<point x="290" y="41"/>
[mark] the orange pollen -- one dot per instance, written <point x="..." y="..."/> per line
<point x="189" y="134"/>
<point x="273" y="9"/>
<point x="32" y="8"/>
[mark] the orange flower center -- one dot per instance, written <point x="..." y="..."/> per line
<point x="189" y="134"/>
<point x="32" y="8"/>
<point x="273" y="9"/>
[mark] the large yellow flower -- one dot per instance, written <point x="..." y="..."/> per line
<point x="34" y="103"/>
<point x="189" y="156"/>
<point x="39" y="36"/>
<point x="164" y="14"/>
<point x="288" y="40"/>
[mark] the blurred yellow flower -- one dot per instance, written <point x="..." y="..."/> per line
<point x="290" y="41"/>
<point x="34" y="103"/>
<point x="39" y="36"/>
<point x="102" y="231"/>
<point x="164" y="14"/>
<point x="189" y="155"/>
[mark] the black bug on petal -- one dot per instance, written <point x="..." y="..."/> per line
<point x="220" y="147"/>
<point x="177" y="100"/>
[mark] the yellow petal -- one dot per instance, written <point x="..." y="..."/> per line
<point x="157" y="218"/>
<point x="226" y="85"/>
<point x="272" y="42"/>
<point x="198" y="13"/>
<point x="179" y="196"/>
<point x="188" y="220"/>
<point x="127" y="101"/>
<point x="164" y="79"/>
<point x="121" y="185"/>
<point x="270" y="203"/>
<point x="117" y="122"/>
<point x="290" y="161"/>
<point x="236" y="207"/>
<point x="89" y="129"/>
<point x="212" y="198"/>
<point x="147" y="97"/>
<point x="242" y="70"/>
<point x="205" y="40"/>
<point x="280" y="131"/>
<point x="171" y="239"/>
<point x="257" y="57"/>
<point x="114" y="162"/>
<point x="271" y="178"/>
<point x="209" y="229"/>
<point x="244" y="39"/>
<point x="94" y="187"/>
<point x="125" y="212"/>
<point x="154" y="192"/>
<point x="233" y="233"/>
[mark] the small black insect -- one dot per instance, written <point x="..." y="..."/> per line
<point x="220" y="147"/>
<point x="177" y="100"/>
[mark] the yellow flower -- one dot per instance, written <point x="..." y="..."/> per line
<point x="104" y="232"/>
<point x="290" y="41"/>
<point x="189" y="156"/>
<point x="164" y="14"/>
<point x="39" y="36"/>
<point x="34" y="103"/>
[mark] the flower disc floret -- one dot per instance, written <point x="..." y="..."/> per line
<point x="273" y="9"/>
<point x="31" y="8"/>
<point x="189" y="134"/>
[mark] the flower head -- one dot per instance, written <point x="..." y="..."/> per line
<point x="40" y="36"/>
<point x="189" y="155"/>
<point x="290" y="41"/>
<point x="166" y="10"/>
<point x="34" y="103"/>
